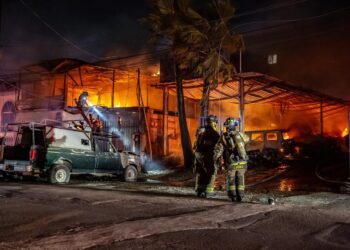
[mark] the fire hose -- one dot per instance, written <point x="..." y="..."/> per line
<point x="322" y="178"/>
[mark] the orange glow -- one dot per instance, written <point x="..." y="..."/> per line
<point x="286" y="136"/>
<point x="345" y="132"/>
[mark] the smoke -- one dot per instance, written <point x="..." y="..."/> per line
<point x="125" y="140"/>
<point x="98" y="29"/>
<point x="152" y="167"/>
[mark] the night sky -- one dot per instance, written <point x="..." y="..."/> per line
<point x="104" y="28"/>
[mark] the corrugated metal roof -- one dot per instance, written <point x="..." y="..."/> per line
<point x="261" y="88"/>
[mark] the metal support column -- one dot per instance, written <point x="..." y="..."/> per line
<point x="349" y="146"/>
<point x="241" y="103"/>
<point x="113" y="83"/>
<point x="165" y="120"/>
<point x="65" y="90"/>
<point x="321" y="117"/>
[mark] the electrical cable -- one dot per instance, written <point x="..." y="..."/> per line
<point x="294" y="20"/>
<point x="56" y="32"/>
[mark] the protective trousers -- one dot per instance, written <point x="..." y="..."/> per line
<point x="235" y="180"/>
<point x="205" y="176"/>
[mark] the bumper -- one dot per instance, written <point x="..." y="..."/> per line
<point x="18" y="167"/>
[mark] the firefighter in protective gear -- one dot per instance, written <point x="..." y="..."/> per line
<point x="205" y="170"/>
<point x="231" y="147"/>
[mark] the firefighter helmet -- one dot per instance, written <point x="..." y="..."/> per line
<point x="231" y="123"/>
<point x="211" y="121"/>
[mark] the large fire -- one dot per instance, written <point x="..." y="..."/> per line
<point x="286" y="136"/>
<point x="345" y="132"/>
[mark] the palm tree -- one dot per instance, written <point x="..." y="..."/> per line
<point x="210" y="45"/>
<point x="197" y="42"/>
<point x="164" y="24"/>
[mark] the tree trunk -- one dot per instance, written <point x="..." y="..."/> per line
<point x="204" y="103"/>
<point x="185" y="135"/>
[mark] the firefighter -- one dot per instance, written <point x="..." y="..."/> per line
<point x="231" y="147"/>
<point x="205" y="170"/>
<point x="96" y="124"/>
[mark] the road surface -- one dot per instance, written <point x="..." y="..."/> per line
<point x="105" y="216"/>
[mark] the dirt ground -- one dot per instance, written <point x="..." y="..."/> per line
<point x="116" y="216"/>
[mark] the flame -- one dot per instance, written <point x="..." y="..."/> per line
<point x="286" y="136"/>
<point x="286" y="185"/>
<point x="345" y="132"/>
<point x="156" y="74"/>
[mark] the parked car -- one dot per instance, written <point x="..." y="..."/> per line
<point x="57" y="152"/>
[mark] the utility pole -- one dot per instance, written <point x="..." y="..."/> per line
<point x="241" y="94"/>
<point x="0" y="23"/>
<point x="321" y="118"/>
<point x="113" y="86"/>
<point x="165" y="120"/>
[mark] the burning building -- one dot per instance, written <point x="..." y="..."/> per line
<point x="141" y="108"/>
<point x="124" y="100"/>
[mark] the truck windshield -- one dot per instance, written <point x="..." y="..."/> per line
<point x="103" y="145"/>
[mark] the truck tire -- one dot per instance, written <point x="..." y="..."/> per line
<point x="130" y="173"/>
<point x="59" y="174"/>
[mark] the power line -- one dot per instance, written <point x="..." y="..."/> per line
<point x="306" y="36"/>
<point x="271" y="7"/>
<point x="56" y="32"/>
<point x="294" y="20"/>
<point x="110" y="59"/>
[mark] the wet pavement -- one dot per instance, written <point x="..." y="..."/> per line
<point x="281" y="180"/>
<point x="42" y="216"/>
<point x="161" y="211"/>
<point x="276" y="181"/>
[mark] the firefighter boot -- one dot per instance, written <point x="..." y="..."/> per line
<point x="200" y="188"/>
<point x="231" y="186"/>
<point x="240" y="187"/>
<point x="209" y="191"/>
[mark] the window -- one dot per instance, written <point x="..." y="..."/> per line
<point x="85" y="142"/>
<point x="272" y="59"/>
<point x="103" y="145"/>
<point x="257" y="137"/>
<point x="8" y="114"/>
<point x="271" y="136"/>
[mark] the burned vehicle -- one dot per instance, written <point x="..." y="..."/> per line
<point x="271" y="145"/>
<point x="56" y="152"/>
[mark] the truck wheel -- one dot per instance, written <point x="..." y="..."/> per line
<point x="59" y="174"/>
<point x="130" y="173"/>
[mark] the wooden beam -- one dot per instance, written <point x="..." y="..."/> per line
<point x="255" y="95"/>
<point x="165" y="120"/>
<point x="241" y="105"/>
<point x="80" y="76"/>
<point x="222" y="93"/>
<point x="65" y="89"/>
<point x="71" y="77"/>
<point x="113" y="83"/>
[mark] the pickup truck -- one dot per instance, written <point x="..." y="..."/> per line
<point x="57" y="152"/>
